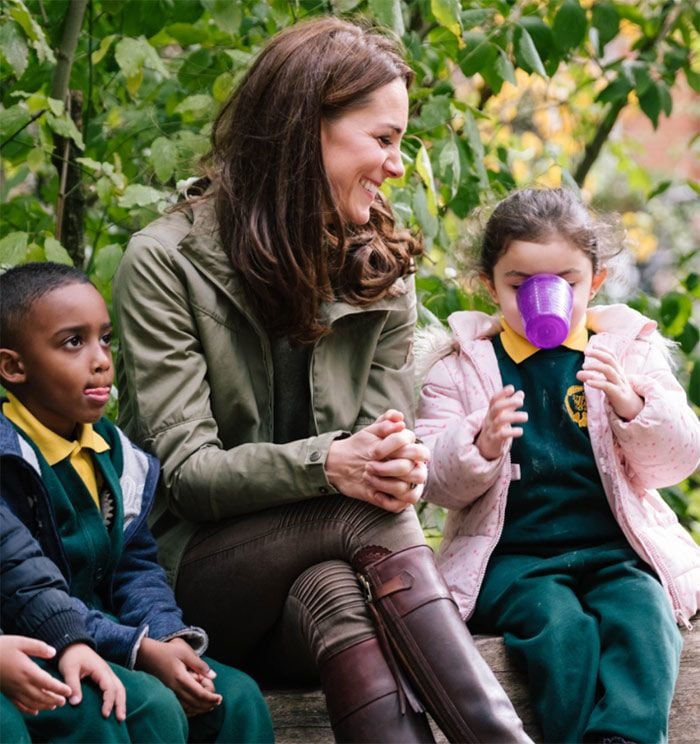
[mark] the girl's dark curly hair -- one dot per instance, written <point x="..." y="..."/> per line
<point x="537" y="214"/>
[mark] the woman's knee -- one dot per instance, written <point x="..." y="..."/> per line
<point x="328" y="607"/>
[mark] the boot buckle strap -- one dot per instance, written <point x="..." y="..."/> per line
<point x="398" y="583"/>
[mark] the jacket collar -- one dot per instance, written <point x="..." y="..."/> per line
<point x="619" y="320"/>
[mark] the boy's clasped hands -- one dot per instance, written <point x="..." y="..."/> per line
<point x="178" y="667"/>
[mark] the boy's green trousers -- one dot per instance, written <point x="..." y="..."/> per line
<point x="596" y="635"/>
<point x="153" y="712"/>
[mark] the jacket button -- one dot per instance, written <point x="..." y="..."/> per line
<point x="315" y="456"/>
<point x="323" y="490"/>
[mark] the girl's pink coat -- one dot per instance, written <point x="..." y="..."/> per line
<point x="660" y="447"/>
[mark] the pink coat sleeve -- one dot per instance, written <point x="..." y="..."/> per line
<point x="458" y="474"/>
<point x="661" y="445"/>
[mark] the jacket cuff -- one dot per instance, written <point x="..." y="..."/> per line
<point x="196" y="637"/>
<point x="315" y="462"/>
<point x="64" y="628"/>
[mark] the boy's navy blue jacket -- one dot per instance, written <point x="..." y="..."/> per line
<point x="139" y="601"/>
<point x="34" y="598"/>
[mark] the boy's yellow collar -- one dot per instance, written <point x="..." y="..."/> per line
<point x="519" y="348"/>
<point x="53" y="447"/>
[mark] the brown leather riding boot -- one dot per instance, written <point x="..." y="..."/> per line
<point x="436" y="651"/>
<point x="365" y="702"/>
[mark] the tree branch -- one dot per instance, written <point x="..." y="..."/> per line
<point x="593" y="148"/>
<point x="72" y="24"/>
<point x="70" y="207"/>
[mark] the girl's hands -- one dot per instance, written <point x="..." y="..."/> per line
<point x="602" y="371"/>
<point x="23" y="681"/>
<point x="178" y="667"/>
<point x="79" y="661"/>
<point x="498" y="428"/>
<point x="381" y="464"/>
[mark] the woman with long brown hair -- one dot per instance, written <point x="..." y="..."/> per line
<point x="266" y="359"/>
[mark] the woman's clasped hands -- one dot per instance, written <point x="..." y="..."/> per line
<point x="382" y="464"/>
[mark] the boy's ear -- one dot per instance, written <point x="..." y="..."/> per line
<point x="597" y="282"/>
<point x="488" y="283"/>
<point x="12" y="367"/>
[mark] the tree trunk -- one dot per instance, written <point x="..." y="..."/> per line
<point x="70" y="208"/>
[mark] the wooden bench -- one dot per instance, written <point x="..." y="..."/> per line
<point x="300" y="715"/>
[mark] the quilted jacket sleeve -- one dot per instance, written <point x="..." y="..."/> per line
<point x="458" y="474"/>
<point x="661" y="445"/>
<point x="34" y="598"/>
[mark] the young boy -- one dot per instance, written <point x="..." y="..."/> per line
<point x="35" y="606"/>
<point x="84" y="491"/>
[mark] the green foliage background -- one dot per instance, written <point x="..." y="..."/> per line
<point x="508" y="93"/>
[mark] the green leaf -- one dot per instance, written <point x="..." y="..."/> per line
<point x="619" y="89"/>
<point x="13" y="48"/>
<point x="35" y="159"/>
<point x="226" y="15"/>
<point x="107" y="261"/>
<point x="529" y="53"/>
<point x="163" y="158"/>
<point x="99" y="53"/>
<point x="199" y="106"/>
<point x="187" y="34"/>
<point x="660" y="188"/>
<point x="388" y="13"/>
<point x="650" y="103"/>
<point x="666" y="100"/>
<point x="693" y="79"/>
<point x="692" y="283"/>
<point x="424" y="213"/>
<point x="135" y="55"/>
<point x="424" y="167"/>
<point x="447" y="14"/>
<point x="694" y="384"/>
<point x="471" y="130"/>
<point x="13" y="248"/>
<point x="606" y="19"/>
<point x="569" y="27"/>
<point x="541" y="34"/>
<point x="475" y="17"/>
<point x="138" y="195"/>
<point x="478" y="57"/>
<point x="222" y="87"/>
<point x="12" y="120"/>
<point x="18" y="12"/>
<point x="57" y="108"/>
<point x="688" y="338"/>
<point x="450" y="166"/>
<point x="54" y="251"/>
<point x="65" y="127"/>
<point x="676" y="309"/>
<point x="504" y="67"/>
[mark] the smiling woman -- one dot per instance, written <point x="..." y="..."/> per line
<point x="267" y="326"/>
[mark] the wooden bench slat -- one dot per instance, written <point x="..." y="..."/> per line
<point x="300" y="715"/>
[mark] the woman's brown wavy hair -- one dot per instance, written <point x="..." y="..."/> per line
<point x="278" y="220"/>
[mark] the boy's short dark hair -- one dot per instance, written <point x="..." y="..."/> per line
<point x="22" y="286"/>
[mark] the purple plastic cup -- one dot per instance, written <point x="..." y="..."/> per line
<point x="545" y="302"/>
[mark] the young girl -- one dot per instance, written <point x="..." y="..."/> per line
<point x="547" y="460"/>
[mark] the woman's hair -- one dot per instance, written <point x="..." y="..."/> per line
<point x="278" y="219"/>
<point x="536" y="215"/>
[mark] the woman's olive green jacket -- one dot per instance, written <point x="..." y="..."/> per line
<point x="195" y="379"/>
